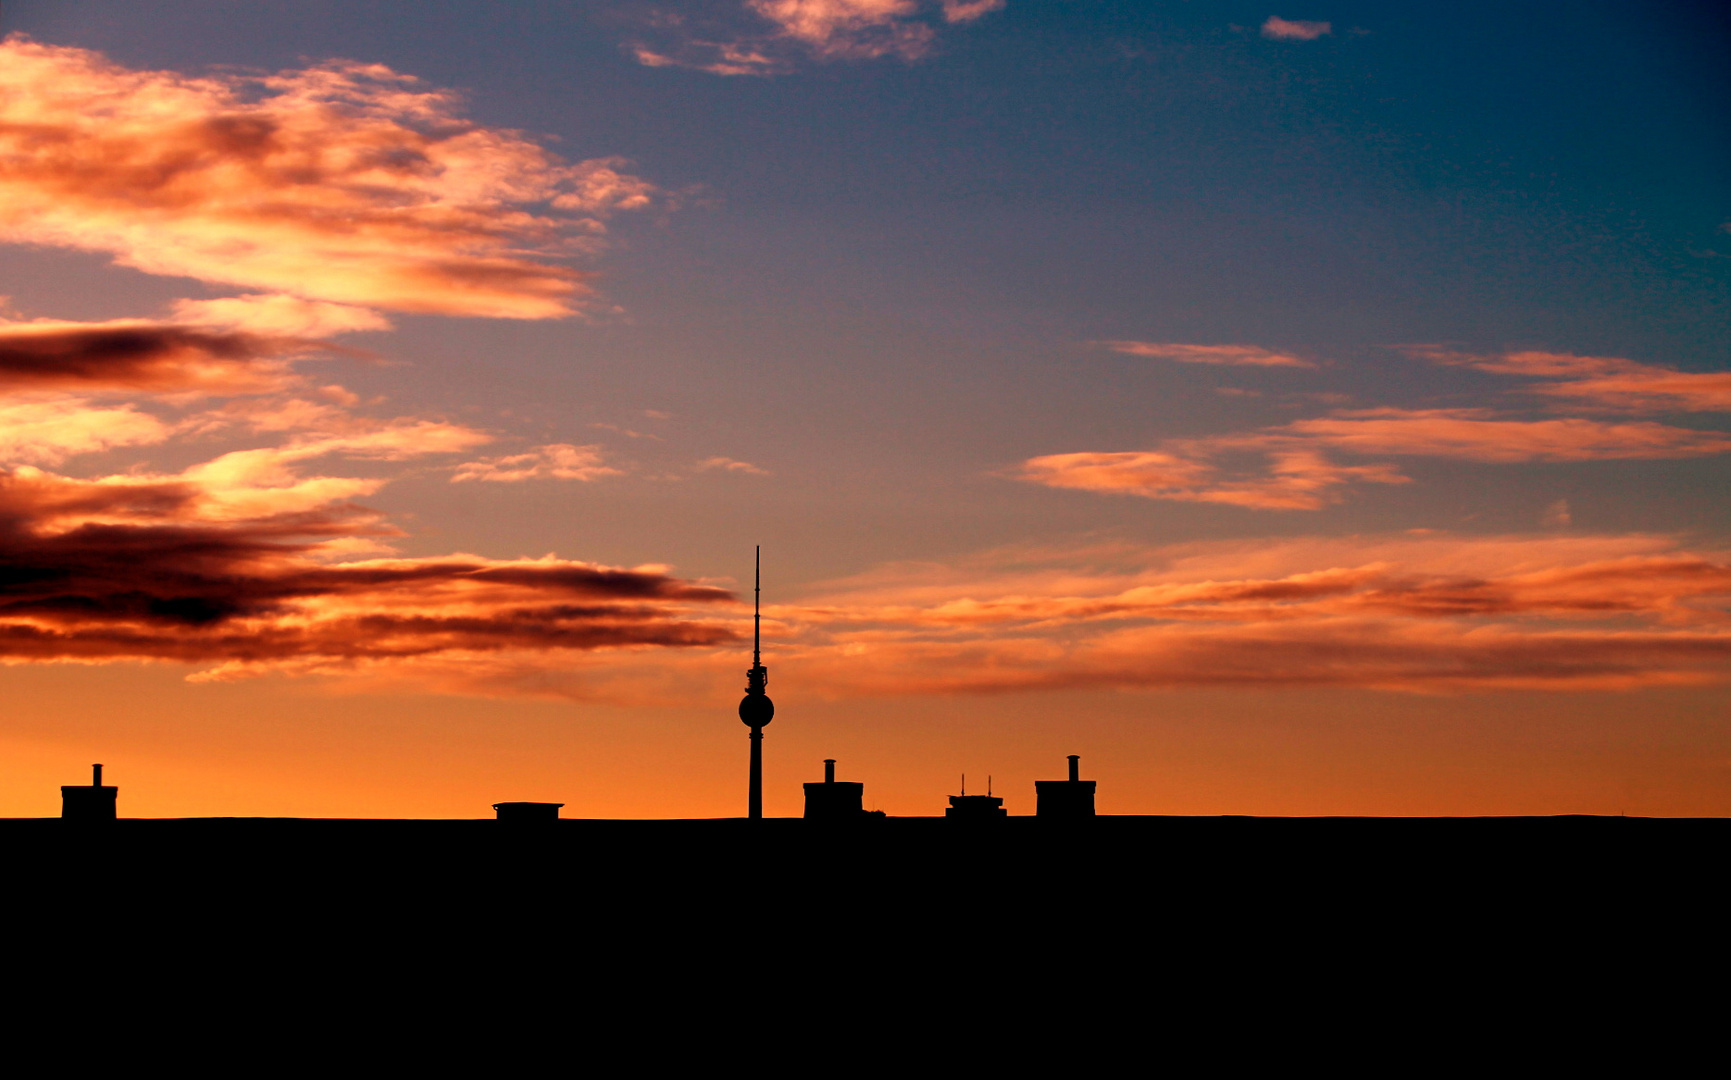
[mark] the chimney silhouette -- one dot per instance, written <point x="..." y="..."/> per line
<point x="93" y="803"/>
<point x="1065" y="800"/>
<point x="834" y="800"/>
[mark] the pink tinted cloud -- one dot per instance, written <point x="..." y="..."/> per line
<point x="1233" y="355"/>
<point x="961" y="11"/>
<point x="770" y="37"/>
<point x="850" y="29"/>
<point x="1294" y="29"/>
<point x="344" y="183"/>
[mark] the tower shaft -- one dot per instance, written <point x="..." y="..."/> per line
<point x="754" y="797"/>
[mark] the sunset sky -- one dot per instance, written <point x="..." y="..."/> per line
<point x="1318" y="410"/>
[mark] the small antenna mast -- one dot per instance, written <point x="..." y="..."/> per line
<point x="757" y="609"/>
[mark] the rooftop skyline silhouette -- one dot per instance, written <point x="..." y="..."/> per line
<point x="1291" y="414"/>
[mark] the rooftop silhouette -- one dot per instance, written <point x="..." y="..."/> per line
<point x="94" y="802"/>
<point x="965" y="807"/>
<point x="1066" y="800"/>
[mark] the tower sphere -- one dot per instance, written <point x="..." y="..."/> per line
<point x="756" y="710"/>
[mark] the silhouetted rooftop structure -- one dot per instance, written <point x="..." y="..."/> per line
<point x="92" y="803"/>
<point x="1065" y="799"/>
<point x="967" y="807"/>
<point x="834" y="800"/>
<point x="527" y="811"/>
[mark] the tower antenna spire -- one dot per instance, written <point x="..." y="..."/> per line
<point x="756" y="710"/>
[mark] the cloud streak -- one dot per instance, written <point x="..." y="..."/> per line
<point x="558" y="461"/>
<point x="344" y="183"/>
<point x="146" y="355"/>
<point x="1295" y="467"/>
<point x="1288" y="467"/>
<point x="1230" y="355"/>
<point x="1610" y="383"/>
<point x="773" y="37"/>
<point x="1281" y="29"/>
<point x="1424" y="613"/>
<point x="225" y="563"/>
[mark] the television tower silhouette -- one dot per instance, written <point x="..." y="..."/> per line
<point x="755" y="709"/>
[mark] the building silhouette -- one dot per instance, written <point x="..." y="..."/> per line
<point x="527" y="811"/>
<point x="1065" y="799"/>
<point x="965" y="807"/>
<point x="93" y="803"/>
<point x="834" y="800"/>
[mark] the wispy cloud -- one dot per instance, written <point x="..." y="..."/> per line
<point x="1294" y="29"/>
<point x="1288" y="467"/>
<point x="1294" y="466"/>
<point x="1426" y="613"/>
<point x="1478" y="435"/>
<point x="557" y="461"/>
<point x="1605" y="382"/>
<point x="770" y="37"/>
<point x="727" y="464"/>
<point x="1232" y="355"/>
<point x="346" y="183"/>
<point x="1278" y="477"/>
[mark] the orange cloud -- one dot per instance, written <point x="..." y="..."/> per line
<point x="1421" y="613"/>
<point x="728" y="464"/>
<point x="1291" y="479"/>
<point x="559" y="461"/>
<point x="1288" y="470"/>
<point x="344" y="183"/>
<point x="1424" y="613"/>
<point x="48" y="432"/>
<point x="1605" y="382"/>
<point x="1471" y="434"/>
<point x="1235" y="355"/>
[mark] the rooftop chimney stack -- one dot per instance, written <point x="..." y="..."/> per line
<point x="834" y="800"/>
<point x="93" y="803"/>
<point x="1065" y="800"/>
